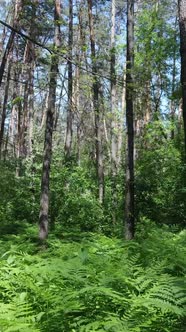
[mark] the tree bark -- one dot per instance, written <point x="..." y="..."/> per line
<point x="31" y="110"/>
<point x="30" y="60"/>
<point x="120" y="123"/>
<point x="14" y="112"/>
<point x="44" y="203"/>
<point x="69" y="130"/>
<point x="3" y="116"/>
<point x="99" y="153"/>
<point x="113" y="113"/>
<point x="113" y="94"/>
<point x="182" y="24"/>
<point x="129" y="203"/>
<point x="77" y="107"/>
<point x="172" y="103"/>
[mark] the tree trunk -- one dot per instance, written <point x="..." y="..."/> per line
<point x="120" y="123"/>
<point x="44" y="203"/>
<point x="5" y="55"/>
<point x="58" y="108"/>
<point x="182" y="24"/>
<point x="3" y="117"/>
<point x="14" y="113"/>
<point x="17" y="11"/>
<point x="44" y="111"/>
<point x="30" y="61"/>
<point x="12" y="123"/>
<point x="24" y="91"/>
<point x="113" y="114"/>
<point x="172" y="103"/>
<point x="129" y="203"/>
<point x="69" y="131"/>
<point x="99" y="153"/>
<point x="6" y="146"/>
<point x="113" y="94"/>
<point x="31" y="110"/>
<point x="80" y="57"/>
<point x="77" y="104"/>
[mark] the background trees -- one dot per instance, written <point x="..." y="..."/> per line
<point x="93" y="89"/>
<point x="91" y="122"/>
<point x="182" y="24"/>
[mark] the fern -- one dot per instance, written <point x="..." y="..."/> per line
<point x="17" y="316"/>
<point x="99" y="284"/>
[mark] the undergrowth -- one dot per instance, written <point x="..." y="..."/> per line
<point x="90" y="282"/>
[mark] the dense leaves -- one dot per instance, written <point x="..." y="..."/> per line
<point x="160" y="173"/>
<point x="89" y="282"/>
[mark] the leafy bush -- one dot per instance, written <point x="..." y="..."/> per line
<point x="160" y="184"/>
<point x="73" y="199"/>
<point x="19" y="196"/>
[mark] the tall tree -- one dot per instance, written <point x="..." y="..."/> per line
<point x="182" y="24"/>
<point x="99" y="152"/>
<point x="113" y="90"/>
<point x="129" y="203"/>
<point x="44" y="203"/>
<point x="69" y="131"/>
<point x="113" y="109"/>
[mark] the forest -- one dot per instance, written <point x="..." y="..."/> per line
<point x="92" y="165"/>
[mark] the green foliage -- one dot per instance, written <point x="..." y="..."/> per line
<point x="113" y="203"/>
<point x="73" y="198"/>
<point x="17" y="100"/>
<point x="97" y="284"/>
<point x="19" y="196"/>
<point x="160" y="187"/>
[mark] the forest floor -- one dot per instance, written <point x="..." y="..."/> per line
<point x="89" y="282"/>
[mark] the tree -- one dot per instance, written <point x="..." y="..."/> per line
<point x="44" y="203"/>
<point x="6" y="61"/>
<point x="114" y="142"/>
<point x="17" y="11"/>
<point x="113" y="91"/>
<point x="99" y="153"/>
<point x="3" y="115"/>
<point x="69" y="131"/>
<point x="89" y="100"/>
<point x="129" y="199"/>
<point x="182" y="24"/>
